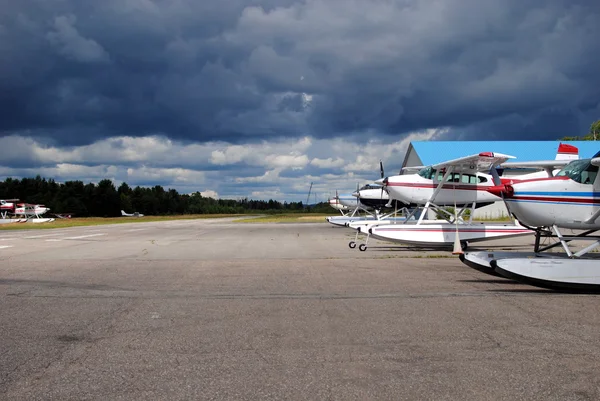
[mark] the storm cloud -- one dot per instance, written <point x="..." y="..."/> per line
<point x="91" y="83"/>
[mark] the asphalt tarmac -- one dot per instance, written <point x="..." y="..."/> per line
<point x="216" y="309"/>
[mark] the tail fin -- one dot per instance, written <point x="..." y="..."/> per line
<point x="567" y="152"/>
<point x="123" y="213"/>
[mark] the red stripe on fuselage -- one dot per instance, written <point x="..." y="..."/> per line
<point x="555" y="199"/>
<point x="445" y="186"/>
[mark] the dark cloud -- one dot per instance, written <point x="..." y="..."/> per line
<point x="239" y="71"/>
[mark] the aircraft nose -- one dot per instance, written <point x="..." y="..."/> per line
<point x="505" y="190"/>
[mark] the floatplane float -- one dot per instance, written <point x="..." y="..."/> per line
<point x="548" y="206"/>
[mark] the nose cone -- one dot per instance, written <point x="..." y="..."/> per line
<point x="505" y="190"/>
<point x="382" y="181"/>
<point x="356" y="194"/>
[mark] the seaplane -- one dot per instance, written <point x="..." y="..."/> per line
<point x="458" y="183"/>
<point x="7" y="206"/>
<point x="363" y="205"/>
<point x="24" y="212"/>
<point x="337" y="205"/>
<point x="548" y="206"/>
<point x="134" y="214"/>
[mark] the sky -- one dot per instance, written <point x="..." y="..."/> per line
<point x="259" y="98"/>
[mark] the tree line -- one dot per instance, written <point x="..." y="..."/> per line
<point x="105" y="200"/>
<point x="593" y="134"/>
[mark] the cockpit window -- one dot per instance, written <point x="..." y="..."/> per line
<point x="370" y="186"/>
<point x="581" y="171"/>
<point x="427" y="172"/>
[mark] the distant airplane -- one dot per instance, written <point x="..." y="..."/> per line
<point x="7" y="206"/>
<point x="31" y="210"/>
<point x="135" y="214"/>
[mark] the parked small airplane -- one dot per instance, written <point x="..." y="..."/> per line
<point x="459" y="183"/>
<point x="365" y="204"/>
<point x="134" y="214"/>
<point x="64" y="215"/>
<point x="571" y="200"/>
<point x="335" y="203"/>
<point x="7" y="206"/>
<point x="465" y="186"/>
<point x="28" y="209"/>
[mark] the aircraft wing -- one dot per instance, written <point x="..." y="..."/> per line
<point x="542" y="164"/>
<point x="480" y="162"/>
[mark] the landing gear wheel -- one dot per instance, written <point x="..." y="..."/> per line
<point x="464" y="245"/>
<point x="352" y="244"/>
<point x="362" y="247"/>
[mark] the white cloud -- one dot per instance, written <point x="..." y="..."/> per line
<point x="209" y="193"/>
<point x="284" y="167"/>
<point x="327" y="163"/>
<point x="286" y="161"/>
<point x="269" y="176"/>
<point x="172" y="175"/>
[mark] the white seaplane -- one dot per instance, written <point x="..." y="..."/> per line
<point x="12" y="212"/>
<point x="568" y="200"/>
<point x="459" y="183"/>
<point x="337" y="205"/>
<point x="364" y="204"/>
<point x="7" y="206"/>
<point x="466" y="185"/>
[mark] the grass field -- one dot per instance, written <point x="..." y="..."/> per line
<point x="97" y="221"/>
<point x="286" y="218"/>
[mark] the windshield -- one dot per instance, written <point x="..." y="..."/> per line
<point x="581" y="171"/>
<point x="370" y="186"/>
<point x="427" y="172"/>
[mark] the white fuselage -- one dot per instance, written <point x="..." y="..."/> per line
<point x="6" y="206"/>
<point x="375" y="198"/>
<point x="556" y="201"/>
<point x="350" y="201"/>
<point x="31" y="210"/>
<point x="335" y="203"/>
<point x="414" y="189"/>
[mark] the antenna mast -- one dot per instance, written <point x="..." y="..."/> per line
<point x="308" y="197"/>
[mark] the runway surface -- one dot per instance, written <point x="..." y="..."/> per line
<point x="214" y="309"/>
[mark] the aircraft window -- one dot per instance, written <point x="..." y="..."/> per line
<point x="589" y="175"/>
<point x="469" y="179"/>
<point x="453" y="177"/>
<point x="581" y="171"/>
<point x="482" y="179"/>
<point x="427" y="172"/>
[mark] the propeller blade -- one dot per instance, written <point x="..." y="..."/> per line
<point x="381" y="168"/>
